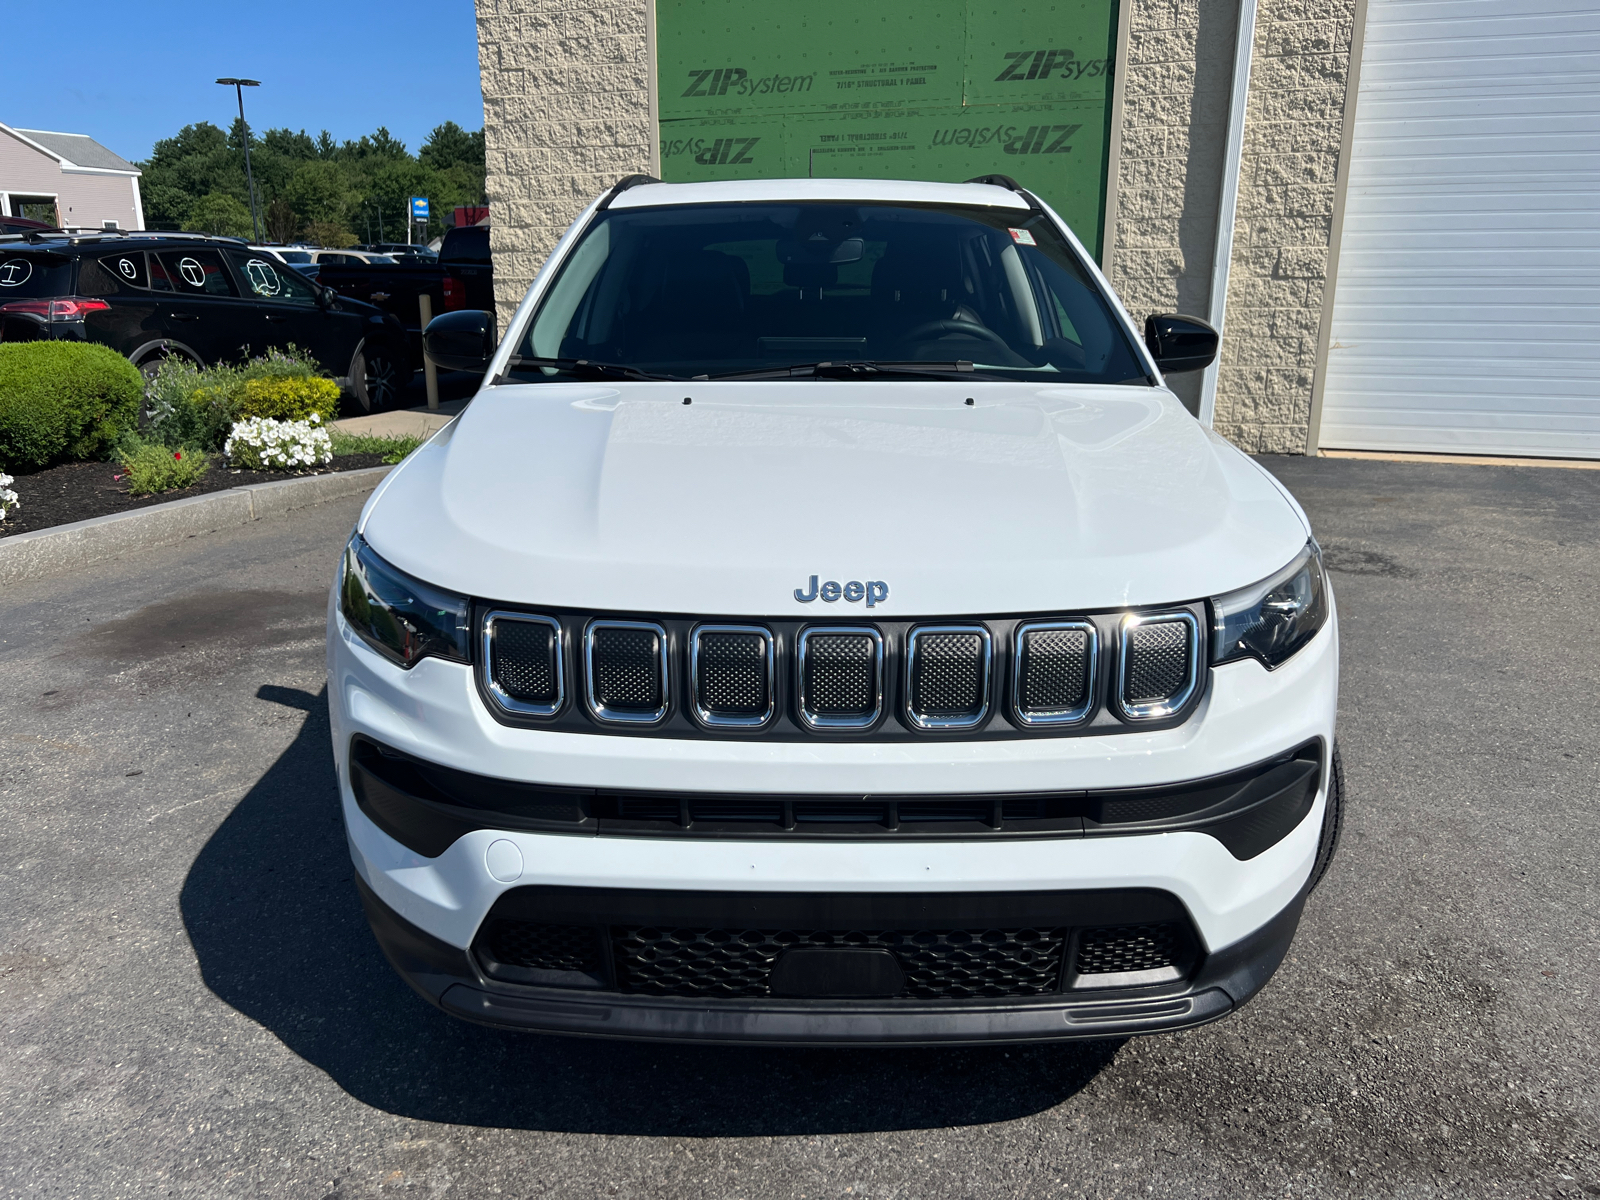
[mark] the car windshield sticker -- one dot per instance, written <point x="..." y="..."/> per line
<point x="193" y="273"/>
<point x="264" y="280"/>
<point x="14" y="272"/>
<point x="1022" y="237"/>
<point x="127" y="269"/>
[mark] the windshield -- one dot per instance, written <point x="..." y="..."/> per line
<point x="293" y="256"/>
<point x="728" y="289"/>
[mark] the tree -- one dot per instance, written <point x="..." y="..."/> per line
<point x="220" y="213"/>
<point x="450" y="144"/>
<point x="304" y="181"/>
<point x="280" y="221"/>
<point x="319" y="193"/>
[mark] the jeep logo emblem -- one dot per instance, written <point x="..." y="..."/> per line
<point x="874" y="592"/>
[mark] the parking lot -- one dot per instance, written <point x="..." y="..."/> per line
<point x="192" y="1005"/>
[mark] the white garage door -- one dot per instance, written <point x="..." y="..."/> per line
<point x="1467" y="314"/>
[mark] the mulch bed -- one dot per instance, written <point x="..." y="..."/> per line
<point x="78" y="491"/>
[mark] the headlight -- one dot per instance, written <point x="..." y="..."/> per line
<point x="1270" y="620"/>
<point x="400" y="617"/>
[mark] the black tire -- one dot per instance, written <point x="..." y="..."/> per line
<point x="377" y="377"/>
<point x="1332" y="821"/>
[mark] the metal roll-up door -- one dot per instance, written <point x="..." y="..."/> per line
<point x="1467" y="312"/>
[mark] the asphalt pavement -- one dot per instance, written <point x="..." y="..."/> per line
<point x="192" y="1006"/>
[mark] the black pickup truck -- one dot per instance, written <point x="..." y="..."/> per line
<point x="463" y="278"/>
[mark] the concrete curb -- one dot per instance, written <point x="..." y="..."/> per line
<point x="26" y="556"/>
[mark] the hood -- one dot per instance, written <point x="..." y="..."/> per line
<point x="1029" y="499"/>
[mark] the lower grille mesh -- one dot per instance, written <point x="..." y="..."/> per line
<point x="544" y="947"/>
<point x="938" y="964"/>
<point x="1120" y="948"/>
<point x="948" y="964"/>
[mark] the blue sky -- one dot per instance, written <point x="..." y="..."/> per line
<point x="128" y="76"/>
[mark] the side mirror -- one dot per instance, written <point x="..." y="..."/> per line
<point x="325" y="298"/>
<point x="460" y="341"/>
<point x="1180" y="344"/>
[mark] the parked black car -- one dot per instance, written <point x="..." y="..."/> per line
<point x="463" y="278"/>
<point x="209" y="299"/>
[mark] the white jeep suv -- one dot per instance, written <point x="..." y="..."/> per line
<point x="825" y="626"/>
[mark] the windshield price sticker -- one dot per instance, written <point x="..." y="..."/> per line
<point x="1022" y="237"/>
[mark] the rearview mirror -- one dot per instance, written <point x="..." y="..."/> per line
<point x="460" y="341"/>
<point x="1180" y="344"/>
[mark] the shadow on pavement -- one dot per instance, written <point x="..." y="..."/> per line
<point x="273" y="915"/>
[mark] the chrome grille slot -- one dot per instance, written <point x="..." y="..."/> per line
<point x="523" y="653"/>
<point x="947" y="676"/>
<point x="841" y="677"/>
<point x="731" y="668"/>
<point x="1056" y="663"/>
<point x="627" y="670"/>
<point x="1158" y="664"/>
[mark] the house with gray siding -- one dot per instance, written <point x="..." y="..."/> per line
<point x="67" y="179"/>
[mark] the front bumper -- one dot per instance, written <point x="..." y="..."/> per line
<point x="427" y="910"/>
<point x="451" y="979"/>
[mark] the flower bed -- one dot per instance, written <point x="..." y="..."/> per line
<point x="78" y="491"/>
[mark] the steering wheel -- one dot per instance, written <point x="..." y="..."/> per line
<point x="932" y="329"/>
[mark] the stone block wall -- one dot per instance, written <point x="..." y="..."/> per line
<point x="1292" y="133"/>
<point x="1174" y="127"/>
<point x="567" y="112"/>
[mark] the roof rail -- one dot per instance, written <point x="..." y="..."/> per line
<point x="1002" y="181"/>
<point x="622" y="185"/>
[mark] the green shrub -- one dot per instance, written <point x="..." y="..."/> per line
<point x="393" y="449"/>
<point x="195" y="406"/>
<point x="155" y="468"/>
<point x="63" y="400"/>
<point x="288" y="398"/>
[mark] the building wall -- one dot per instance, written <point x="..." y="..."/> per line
<point x="567" y="103"/>
<point x="1280" y="250"/>
<point x="567" y="112"/>
<point x="1174" y="127"/>
<point x="82" y="199"/>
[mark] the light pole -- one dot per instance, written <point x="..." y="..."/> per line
<point x="239" y="86"/>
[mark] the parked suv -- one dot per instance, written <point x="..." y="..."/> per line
<point x="208" y="299"/>
<point x="824" y="625"/>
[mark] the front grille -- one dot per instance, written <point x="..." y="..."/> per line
<point x="532" y="946"/>
<point x="627" y="666"/>
<point x="524" y="656"/>
<point x="1118" y="949"/>
<point x="876" y="678"/>
<point x="841" y="677"/>
<point x="938" y="964"/>
<point x="947" y="676"/>
<point x="1055" y="672"/>
<point x="1157" y="673"/>
<point x="732" y="675"/>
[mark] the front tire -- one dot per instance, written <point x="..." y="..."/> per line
<point x="377" y="379"/>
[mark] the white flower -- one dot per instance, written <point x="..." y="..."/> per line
<point x="8" y="498"/>
<point x="268" y="443"/>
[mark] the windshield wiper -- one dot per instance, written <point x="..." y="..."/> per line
<point x="857" y="369"/>
<point x="578" y="366"/>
